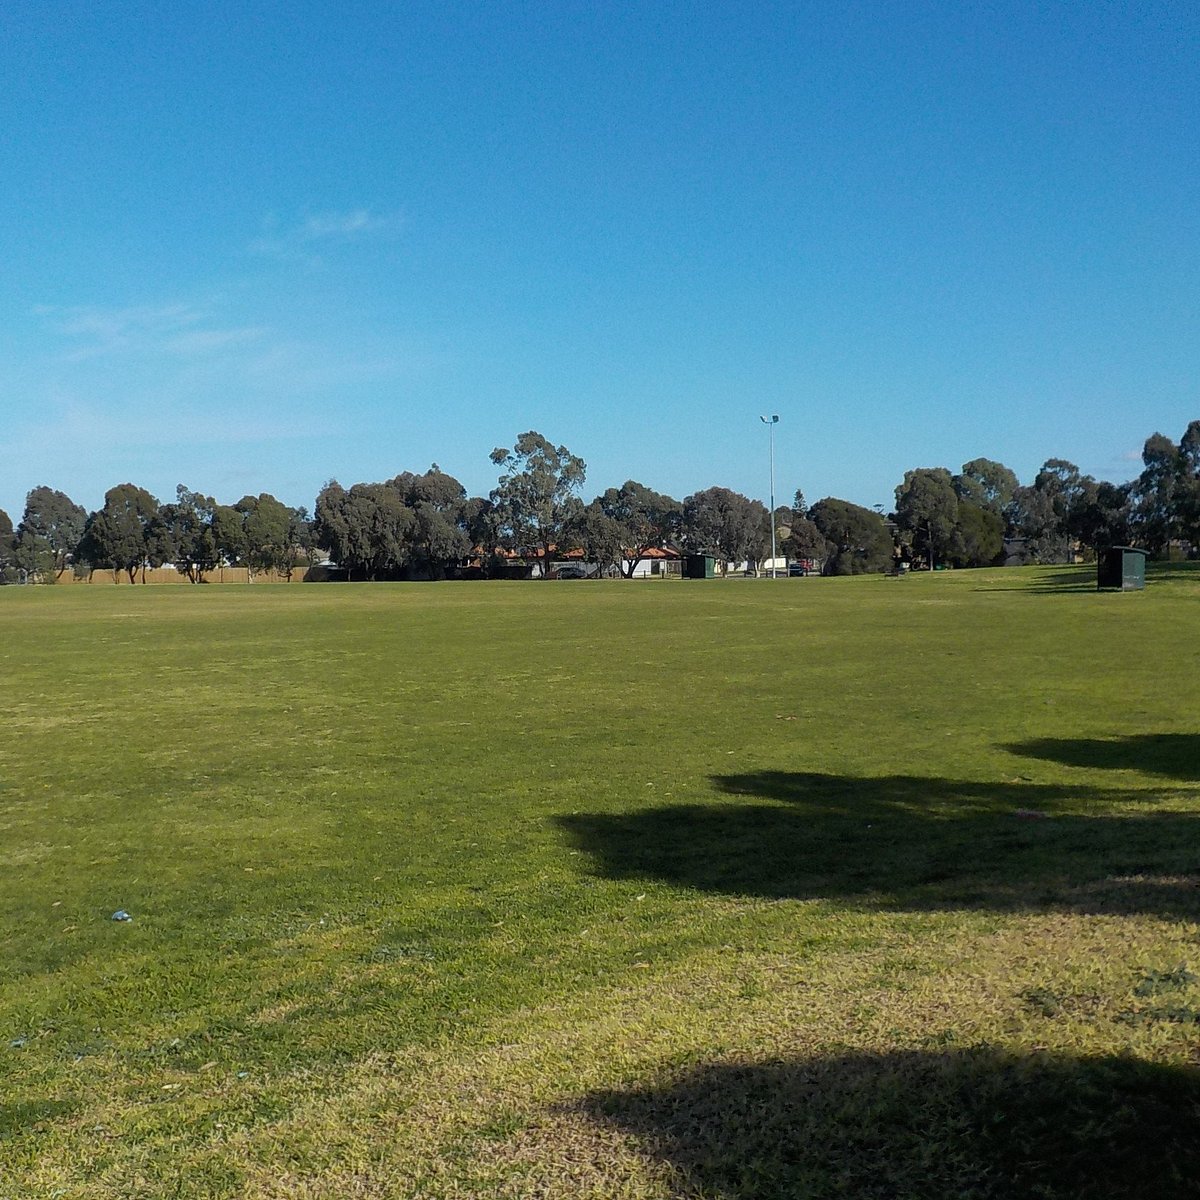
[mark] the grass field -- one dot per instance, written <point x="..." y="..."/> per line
<point x="864" y="887"/>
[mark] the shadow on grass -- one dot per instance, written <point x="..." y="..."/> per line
<point x="1071" y="579"/>
<point x="1173" y="572"/>
<point x="937" y="1125"/>
<point x="1173" y="754"/>
<point x="19" y="1116"/>
<point x="902" y="842"/>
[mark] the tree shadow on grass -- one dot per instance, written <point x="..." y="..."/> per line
<point x="1050" y="585"/>
<point x="1173" y="754"/>
<point x="1078" y="580"/>
<point x="965" y="1125"/>
<point x="902" y="842"/>
<point x="19" y="1116"/>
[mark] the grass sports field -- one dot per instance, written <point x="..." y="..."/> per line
<point x="863" y="887"/>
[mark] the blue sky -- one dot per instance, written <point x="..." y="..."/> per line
<point x="252" y="247"/>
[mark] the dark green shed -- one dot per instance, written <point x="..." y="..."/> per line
<point x="699" y="566"/>
<point x="1122" y="568"/>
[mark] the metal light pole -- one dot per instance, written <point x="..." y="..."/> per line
<point x="770" y="423"/>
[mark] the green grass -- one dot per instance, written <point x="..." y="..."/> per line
<point x="861" y="887"/>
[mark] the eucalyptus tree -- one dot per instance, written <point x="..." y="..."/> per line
<point x="367" y="529"/>
<point x="182" y="533"/>
<point x="725" y="524"/>
<point x="439" y="536"/>
<point x="7" y="543"/>
<point x="229" y="535"/>
<point x="986" y="483"/>
<point x="1103" y="514"/>
<point x="536" y="497"/>
<point x="267" y="525"/>
<point x="1187" y="502"/>
<point x="50" y="530"/>
<point x="927" y="507"/>
<point x="646" y="520"/>
<point x="602" y="538"/>
<point x="484" y="525"/>
<point x="1160" y="493"/>
<point x="1032" y="517"/>
<point x="803" y="539"/>
<point x="857" y="540"/>
<point x="978" y="536"/>
<point x="117" y="536"/>
<point x="301" y="533"/>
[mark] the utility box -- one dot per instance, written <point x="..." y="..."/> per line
<point x="1121" y="568"/>
<point x="699" y="566"/>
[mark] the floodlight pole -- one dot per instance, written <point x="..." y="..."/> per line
<point x="770" y="423"/>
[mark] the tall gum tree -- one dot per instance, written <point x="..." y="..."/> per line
<point x="439" y="534"/>
<point x="647" y="521"/>
<point x="117" y="536"/>
<point x="725" y="524"/>
<point x="926" y="505"/>
<point x="7" y="542"/>
<point x="536" y="497"/>
<point x="50" y="530"/>
<point x="857" y="540"/>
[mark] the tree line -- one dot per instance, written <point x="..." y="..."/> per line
<point x="426" y="526"/>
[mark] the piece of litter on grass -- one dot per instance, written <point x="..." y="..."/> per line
<point x="121" y="915"/>
<point x="17" y="1043"/>
<point x="170" y="1087"/>
<point x="56" y="904"/>
<point x="642" y="896"/>
<point x="243" y="1074"/>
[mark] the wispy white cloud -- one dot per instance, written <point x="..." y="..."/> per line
<point x="297" y="241"/>
<point x="176" y="352"/>
<point x="202" y="341"/>
<point x="179" y="329"/>
<point x="326" y="225"/>
<point x="77" y="422"/>
<point x="165" y="391"/>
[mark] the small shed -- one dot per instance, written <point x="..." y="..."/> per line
<point x="1121" y="568"/>
<point x="699" y="566"/>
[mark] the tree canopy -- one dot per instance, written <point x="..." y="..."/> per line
<point x="182" y="533"/>
<point x="725" y="524"/>
<point x="857" y="539"/>
<point x="643" y="520"/>
<point x="536" y="497"/>
<point x="411" y="523"/>
<point x="426" y="526"/>
<point x="986" y="484"/>
<point x="927" y="507"/>
<point x="7" y="543"/>
<point x="50" y="530"/>
<point x="117" y="536"/>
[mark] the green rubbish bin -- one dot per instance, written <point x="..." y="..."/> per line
<point x="699" y="566"/>
<point x="1121" y="568"/>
